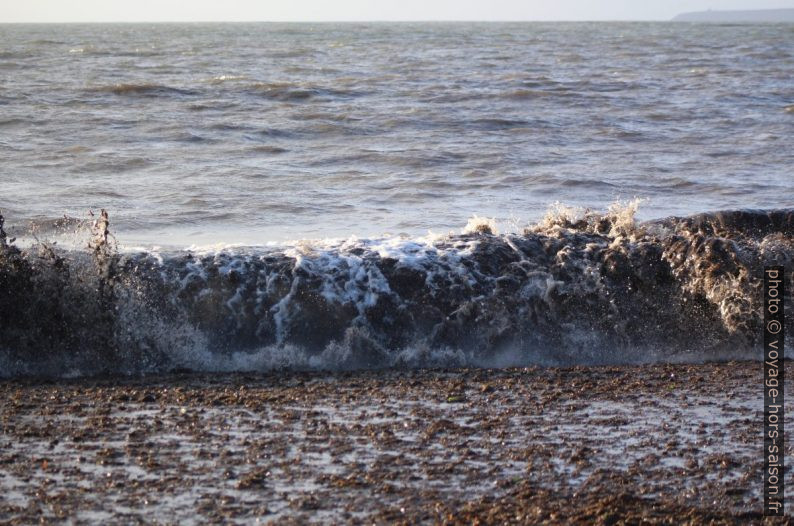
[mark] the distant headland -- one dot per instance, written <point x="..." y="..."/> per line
<point x="757" y="15"/>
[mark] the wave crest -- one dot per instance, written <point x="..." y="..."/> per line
<point x="580" y="287"/>
<point x="142" y="90"/>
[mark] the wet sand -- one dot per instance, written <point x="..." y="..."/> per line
<point x="602" y="445"/>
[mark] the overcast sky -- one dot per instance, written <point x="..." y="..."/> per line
<point x="334" y="10"/>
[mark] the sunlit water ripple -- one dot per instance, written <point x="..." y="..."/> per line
<point x="199" y="133"/>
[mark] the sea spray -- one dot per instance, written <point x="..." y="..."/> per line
<point x="577" y="288"/>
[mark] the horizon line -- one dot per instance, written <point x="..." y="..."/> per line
<point x="342" y="21"/>
<point x="405" y="21"/>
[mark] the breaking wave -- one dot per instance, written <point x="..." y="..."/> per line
<point x="579" y="287"/>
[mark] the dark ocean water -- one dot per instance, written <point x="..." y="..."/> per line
<point x="206" y="133"/>
<point x="270" y="188"/>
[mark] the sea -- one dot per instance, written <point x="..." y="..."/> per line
<point x="347" y="195"/>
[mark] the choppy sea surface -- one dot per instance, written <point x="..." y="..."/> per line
<point x="254" y="133"/>
<point x="271" y="188"/>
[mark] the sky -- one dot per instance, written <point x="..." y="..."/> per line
<point x="357" y="10"/>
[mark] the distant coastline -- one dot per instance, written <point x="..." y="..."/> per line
<point x="758" y="15"/>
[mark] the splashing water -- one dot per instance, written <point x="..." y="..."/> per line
<point x="579" y="287"/>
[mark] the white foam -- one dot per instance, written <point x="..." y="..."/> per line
<point x="480" y="225"/>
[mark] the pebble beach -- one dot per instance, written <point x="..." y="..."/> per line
<point x="663" y="444"/>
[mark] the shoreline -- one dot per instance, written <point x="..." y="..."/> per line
<point x="654" y="443"/>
